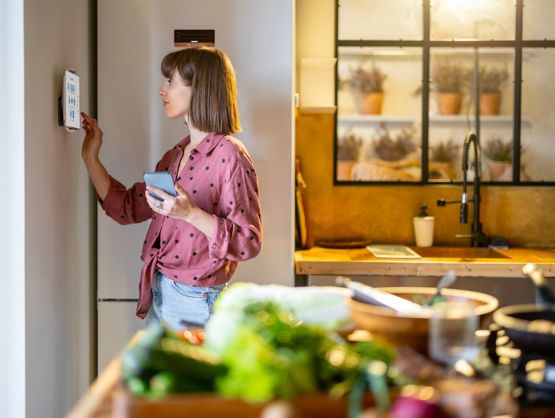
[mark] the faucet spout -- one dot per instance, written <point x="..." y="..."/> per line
<point x="478" y="236"/>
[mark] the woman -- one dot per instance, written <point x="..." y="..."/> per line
<point x="195" y="239"/>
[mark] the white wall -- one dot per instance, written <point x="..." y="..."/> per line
<point x="58" y="210"/>
<point x="12" y="211"/>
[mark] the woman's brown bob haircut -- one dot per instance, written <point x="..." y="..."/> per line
<point x="213" y="91"/>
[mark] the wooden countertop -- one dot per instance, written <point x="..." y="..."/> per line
<point x="360" y="261"/>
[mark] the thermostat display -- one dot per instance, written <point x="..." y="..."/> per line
<point x="72" y="120"/>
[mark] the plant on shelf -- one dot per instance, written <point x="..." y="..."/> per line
<point x="367" y="83"/>
<point x="500" y="156"/>
<point x="495" y="149"/>
<point x="348" y="152"/>
<point x="492" y="81"/>
<point x="387" y="158"/>
<point x="442" y="156"/>
<point x="394" y="149"/>
<point x="449" y="80"/>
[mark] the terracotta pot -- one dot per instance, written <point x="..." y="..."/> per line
<point x="500" y="171"/>
<point x="344" y="169"/>
<point x="449" y="103"/>
<point x="490" y="103"/>
<point x="441" y="171"/>
<point x="370" y="103"/>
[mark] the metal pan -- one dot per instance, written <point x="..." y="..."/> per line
<point x="531" y="328"/>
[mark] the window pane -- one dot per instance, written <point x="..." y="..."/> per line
<point x="472" y="19"/>
<point x="496" y="109"/>
<point x="380" y="19"/>
<point x="538" y="115"/>
<point x="539" y="16"/>
<point x="452" y="104"/>
<point x="379" y="142"/>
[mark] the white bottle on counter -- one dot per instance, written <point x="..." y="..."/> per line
<point x="423" y="228"/>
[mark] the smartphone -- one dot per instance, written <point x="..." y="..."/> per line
<point x="161" y="180"/>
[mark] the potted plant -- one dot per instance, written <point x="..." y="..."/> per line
<point x="386" y="158"/>
<point x="367" y="84"/>
<point x="449" y="81"/>
<point x="348" y="153"/>
<point x="442" y="156"/>
<point x="492" y="81"/>
<point x="500" y="158"/>
<point x="394" y="149"/>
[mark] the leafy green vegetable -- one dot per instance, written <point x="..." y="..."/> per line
<point x="270" y="355"/>
<point x="160" y="363"/>
<point x="314" y="305"/>
<point x="273" y="356"/>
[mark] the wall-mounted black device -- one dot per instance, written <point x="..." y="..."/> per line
<point x="194" y="37"/>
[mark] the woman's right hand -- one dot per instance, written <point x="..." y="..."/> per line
<point x="93" y="138"/>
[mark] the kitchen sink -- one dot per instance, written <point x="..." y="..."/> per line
<point x="458" y="252"/>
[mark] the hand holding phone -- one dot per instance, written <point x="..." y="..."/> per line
<point x="161" y="180"/>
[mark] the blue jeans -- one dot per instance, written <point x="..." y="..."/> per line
<point x="178" y="305"/>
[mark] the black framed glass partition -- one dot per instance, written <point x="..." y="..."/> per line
<point x="482" y="75"/>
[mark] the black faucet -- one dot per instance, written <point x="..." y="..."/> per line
<point x="478" y="238"/>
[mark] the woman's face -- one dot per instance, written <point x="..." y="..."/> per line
<point x="176" y="96"/>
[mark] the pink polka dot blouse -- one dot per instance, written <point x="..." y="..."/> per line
<point x="220" y="179"/>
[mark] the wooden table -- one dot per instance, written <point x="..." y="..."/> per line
<point x="107" y="399"/>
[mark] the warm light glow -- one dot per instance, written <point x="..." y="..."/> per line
<point x="460" y="6"/>
<point x="469" y="13"/>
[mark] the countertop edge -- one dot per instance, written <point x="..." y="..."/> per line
<point x="321" y="261"/>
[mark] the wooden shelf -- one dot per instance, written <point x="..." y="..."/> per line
<point x="434" y="119"/>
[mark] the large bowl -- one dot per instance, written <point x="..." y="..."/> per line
<point x="412" y="330"/>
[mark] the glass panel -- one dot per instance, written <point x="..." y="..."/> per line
<point x="472" y="19"/>
<point x="452" y="104"/>
<point x="538" y="119"/>
<point x="539" y="16"/>
<point x="378" y="132"/>
<point x="450" y="111"/>
<point x="380" y="19"/>
<point x="496" y="108"/>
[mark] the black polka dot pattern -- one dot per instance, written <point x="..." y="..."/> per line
<point x="218" y="179"/>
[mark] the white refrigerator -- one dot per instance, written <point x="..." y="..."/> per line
<point x="133" y="37"/>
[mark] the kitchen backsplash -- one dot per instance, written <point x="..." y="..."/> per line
<point x="383" y="213"/>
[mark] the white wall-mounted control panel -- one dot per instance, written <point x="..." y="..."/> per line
<point x="70" y="101"/>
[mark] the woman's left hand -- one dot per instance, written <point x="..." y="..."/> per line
<point x="179" y="207"/>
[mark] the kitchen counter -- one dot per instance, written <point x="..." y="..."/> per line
<point x="360" y="261"/>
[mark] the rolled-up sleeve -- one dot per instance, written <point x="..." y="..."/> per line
<point x="126" y="206"/>
<point x="238" y="235"/>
